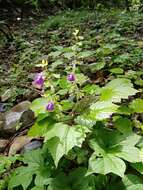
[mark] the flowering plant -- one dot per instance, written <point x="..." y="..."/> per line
<point x="87" y="132"/>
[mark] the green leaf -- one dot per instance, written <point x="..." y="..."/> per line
<point x="117" y="70"/>
<point x="40" y="127"/>
<point x="117" y="89"/>
<point x="125" y="110"/>
<point x="64" y="84"/>
<point x="138" y="167"/>
<point x="80" y="78"/>
<point x="122" y="58"/>
<point x="37" y="130"/>
<point x="60" y="182"/>
<point x="38" y="188"/>
<point x="82" y="120"/>
<point x="106" y="49"/>
<point x="57" y="63"/>
<point x="139" y="83"/>
<point x="7" y="161"/>
<point x="129" y="152"/>
<point x="124" y="125"/>
<point x="39" y="105"/>
<point x="62" y="92"/>
<point x="73" y="181"/>
<point x="96" y="66"/>
<point x="132" y="182"/>
<point x="42" y="180"/>
<point x="67" y="104"/>
<point x="55" y="54"/>
<point x="23" y="178"/>
<point x="61" y="138"/>
<point x="69" y="55"/>
<point x="102" y="110"/>
<point x="35" y="164"/>
<point x="85" y="54"/>
<point x="110" y="147"/>
<point x="137" y="105"/>
<point x="107" y="164"/>
<point x="91" y="89"/>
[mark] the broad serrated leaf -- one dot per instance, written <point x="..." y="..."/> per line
<point x="117" y="89"/>
<point x="102" y="110"/>
<point x="23" y="177"/>
<point x="131" y="154"/>
<point x="111" y="144"/>
<point x="61" y="138"/>
<point x="107" y="164"/>
<point x="34" y="165"/>
<point x="56" y="149"/>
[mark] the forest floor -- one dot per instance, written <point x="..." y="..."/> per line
<point x="105" y="44"/>
<point x="118" y="34"/>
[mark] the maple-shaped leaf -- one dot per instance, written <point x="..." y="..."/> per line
<point x="110" y="148"/>
<point x="117" y="89"/>
<point x="34" y="165"/>
<point x="61" y="138"/>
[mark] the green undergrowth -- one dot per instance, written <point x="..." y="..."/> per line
<point x="93" y="133"/>
<point x="120" y="30"/>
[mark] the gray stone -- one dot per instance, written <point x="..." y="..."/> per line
<point x="18" y="114"/>
<point x="32" y="146"/>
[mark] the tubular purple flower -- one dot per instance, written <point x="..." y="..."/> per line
<point x="38" y="81"/>
<point x="71" y="77"/>
<point x="50" y="106"/>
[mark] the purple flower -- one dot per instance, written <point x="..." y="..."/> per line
<point x="50" y="106"/>
<point x="38" y="81"/>
<point x="71" y="77"/>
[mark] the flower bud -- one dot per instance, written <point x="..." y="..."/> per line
<point x="50" y="106"/>
<point x="71" y="77"/>
<point x="38" y="81"/>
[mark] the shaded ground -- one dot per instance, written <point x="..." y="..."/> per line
<point x="36" y="35"/>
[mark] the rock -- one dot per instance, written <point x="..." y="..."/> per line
<point x="18" y="114"/>
<point x="18" y="144"/>
<point x="3" y="143"/>
<point x="31" y="146"/>
<point x="2" y="107"/>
